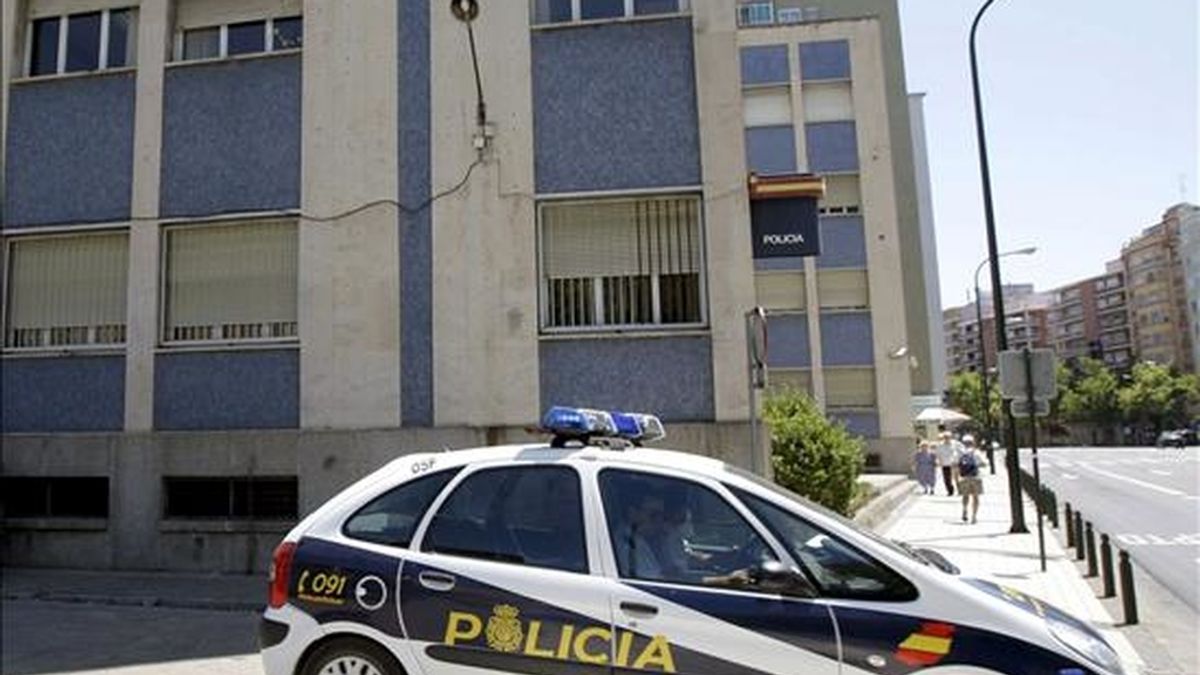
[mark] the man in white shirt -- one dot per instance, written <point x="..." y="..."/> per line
<point x="948" y="451"/>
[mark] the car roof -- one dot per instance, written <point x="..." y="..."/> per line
<point x="542" y="452"/>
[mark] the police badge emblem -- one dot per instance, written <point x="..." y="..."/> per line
<point x="504" y="632"/>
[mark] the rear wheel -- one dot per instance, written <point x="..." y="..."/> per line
<point x="351" y="656"/>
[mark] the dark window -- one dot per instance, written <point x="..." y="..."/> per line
<point x="83" y="42"/>
<point x="836" y="568"/>
<point x="391" y="517"/>
<point x="44" y="57"/>
<point x="655" y="6"/>
<point x="525" y="515"/>
<point x="552" y="11"/>
<point x="668" y="529"/>
<point x="232" y="498"/>
<point x="246" y="38"/>
<point x="287" y="33"/>
<point x="601" y="9"/>
<point x="120" y="34"/>
<point x="70" y="497"/>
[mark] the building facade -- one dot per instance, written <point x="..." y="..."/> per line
<point x="1090" y="318"/>
<point x="1189" y="247"/>
<point x="1154" y="273"/>
<point x="969" y="340"/>
<point x="255" y="249"/>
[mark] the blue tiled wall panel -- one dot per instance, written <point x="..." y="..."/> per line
<point x="788" y="345"/>
<point x="765" y="64"/>
<point x="832" y="146"/>
<point x="771" y="149"/>
<point x="416" y="249"/>
<point x="643" y="7"/>
<point x="227" y="390"/>
<point x="614" y="107"/>
<point x="70" y="151"/>
<point x="613" y="374"/>
<point x="842" y="242"/>
<point x="62" y="394"/>
<point x="781" y="263"/>
<point x="231" y="137"/>
<point x="846" y="339"/>
<point x="859" y="422"/>
<point x="828" y="60"/>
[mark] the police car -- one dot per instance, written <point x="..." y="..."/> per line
<point x="590" y="554"/>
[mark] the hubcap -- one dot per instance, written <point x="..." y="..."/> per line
<point x="350" y="665"/>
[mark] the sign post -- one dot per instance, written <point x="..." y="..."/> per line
<point x="756" y="354"/>
<point x="1027" y="376"/>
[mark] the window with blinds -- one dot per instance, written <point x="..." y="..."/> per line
<point x="781" y="291"/>
<point x="850" y="387"/>
<point x="67" y="291"/>
<point x="622" y="263"/>
<point x="780" y="380"/>
<point x="843" y="196"/>
<point x="843" y="289"/>
<point x="231" y="282"/>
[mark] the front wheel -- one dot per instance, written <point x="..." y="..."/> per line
<point x="351" y="656"/>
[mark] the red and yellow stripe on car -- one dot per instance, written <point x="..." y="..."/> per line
<point x="927" y="646"/>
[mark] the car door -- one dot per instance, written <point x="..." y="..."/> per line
<point x="502" y="580"/>
<point x="683" y="600"/>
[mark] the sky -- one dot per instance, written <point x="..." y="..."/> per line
<point x="1091" y="116"/>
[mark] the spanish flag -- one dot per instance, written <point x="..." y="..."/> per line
<point x="927" y="646"/>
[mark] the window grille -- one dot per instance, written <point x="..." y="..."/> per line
<point x="756" y="14"/>
<point x="622" y="263"/>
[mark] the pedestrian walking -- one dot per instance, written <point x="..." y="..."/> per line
<point x="947" y="457"/>
<point x="925" y="466"/>
<point x="970" y="484"/>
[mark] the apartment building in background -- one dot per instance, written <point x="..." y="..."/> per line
<point x="1157" y="290"/>
<point x="970" y="341"/>
<point x="255" y="249"/>
<point x="1090" y="318"/>
<point x="1189" y="247"/>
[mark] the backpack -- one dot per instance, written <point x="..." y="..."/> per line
<point x="968" y="465"/>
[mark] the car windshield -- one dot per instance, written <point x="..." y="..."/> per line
<point x="904" y="550"/>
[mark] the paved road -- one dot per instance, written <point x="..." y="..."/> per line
<point x="53" y="637"/>
<point x="1146" y="499"/>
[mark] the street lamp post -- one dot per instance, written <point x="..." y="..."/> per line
<point x="987" y="392"/>
<point x="1016" y="509"/>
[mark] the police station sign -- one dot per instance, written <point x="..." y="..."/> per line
<point x="783" y="216"/>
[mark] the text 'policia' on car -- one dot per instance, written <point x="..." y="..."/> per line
<point x="589" y="554"/>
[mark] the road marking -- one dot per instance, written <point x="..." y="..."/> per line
<point x="1160" y="472"/>
<point x="1068" y="476"/>
<point x="1159" y="540"/>
<point x="1127" y="479"/>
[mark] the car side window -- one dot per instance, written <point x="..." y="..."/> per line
<point x="392" y="517"/>
<point x="676" y="530"/>
<point x="529" y="515"/>
<point x="838" y="569"/>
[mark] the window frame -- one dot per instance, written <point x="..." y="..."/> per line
<point x="656" y="326"/>
<point x="450" y="473"/>
<point x="164" y="271"/>
<point x="64" y="40"/>
<point x="223" y="40"/>
<point x="230" y="485"/>
<point x="8" y="241"/>
<point x="629" y="13"/>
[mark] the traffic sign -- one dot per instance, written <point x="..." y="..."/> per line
<point x="1014" y="384"/>
<point x="1020" y="407"/>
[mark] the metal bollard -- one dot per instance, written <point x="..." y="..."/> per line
<point x="1070" y="529"/>
<point x="1091" y="551"/>
<point x="1128" y="597"/>
<point x="1054" y="509"/>
<point x="1079" y="536"/>
<point x="1106" y="566"/>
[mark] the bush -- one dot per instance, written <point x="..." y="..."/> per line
<point x="811" y="455"/>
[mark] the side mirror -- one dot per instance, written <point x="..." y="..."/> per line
<point x="937" y="560"/>
<point x="774" y="576"/>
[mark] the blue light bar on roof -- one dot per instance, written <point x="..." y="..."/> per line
<point x="583" y="423"/>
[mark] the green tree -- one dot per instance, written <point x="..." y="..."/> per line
<point x="1154" y="395"/>
<point x="1090" y="394"/>
<point x="811" y="455"/>
<point x="966" y="394"/>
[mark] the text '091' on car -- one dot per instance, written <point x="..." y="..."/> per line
<point x="591" y="554"/>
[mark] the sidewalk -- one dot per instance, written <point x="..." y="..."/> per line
<point x="224" y="592"/>
<point x="986" y="550"/>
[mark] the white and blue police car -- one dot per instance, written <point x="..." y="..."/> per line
<point x="589" y="554"/>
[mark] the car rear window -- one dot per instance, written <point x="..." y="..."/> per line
<point x="392" y="517"/>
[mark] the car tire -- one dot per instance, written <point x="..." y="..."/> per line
<point x="350" y="655"/>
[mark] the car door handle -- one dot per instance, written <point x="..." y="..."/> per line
<point x="436" y="581"/>
<point x="638" y="609"/>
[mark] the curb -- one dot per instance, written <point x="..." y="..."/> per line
<point x="210" y="604"/>
<point x="886" y="503"/>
